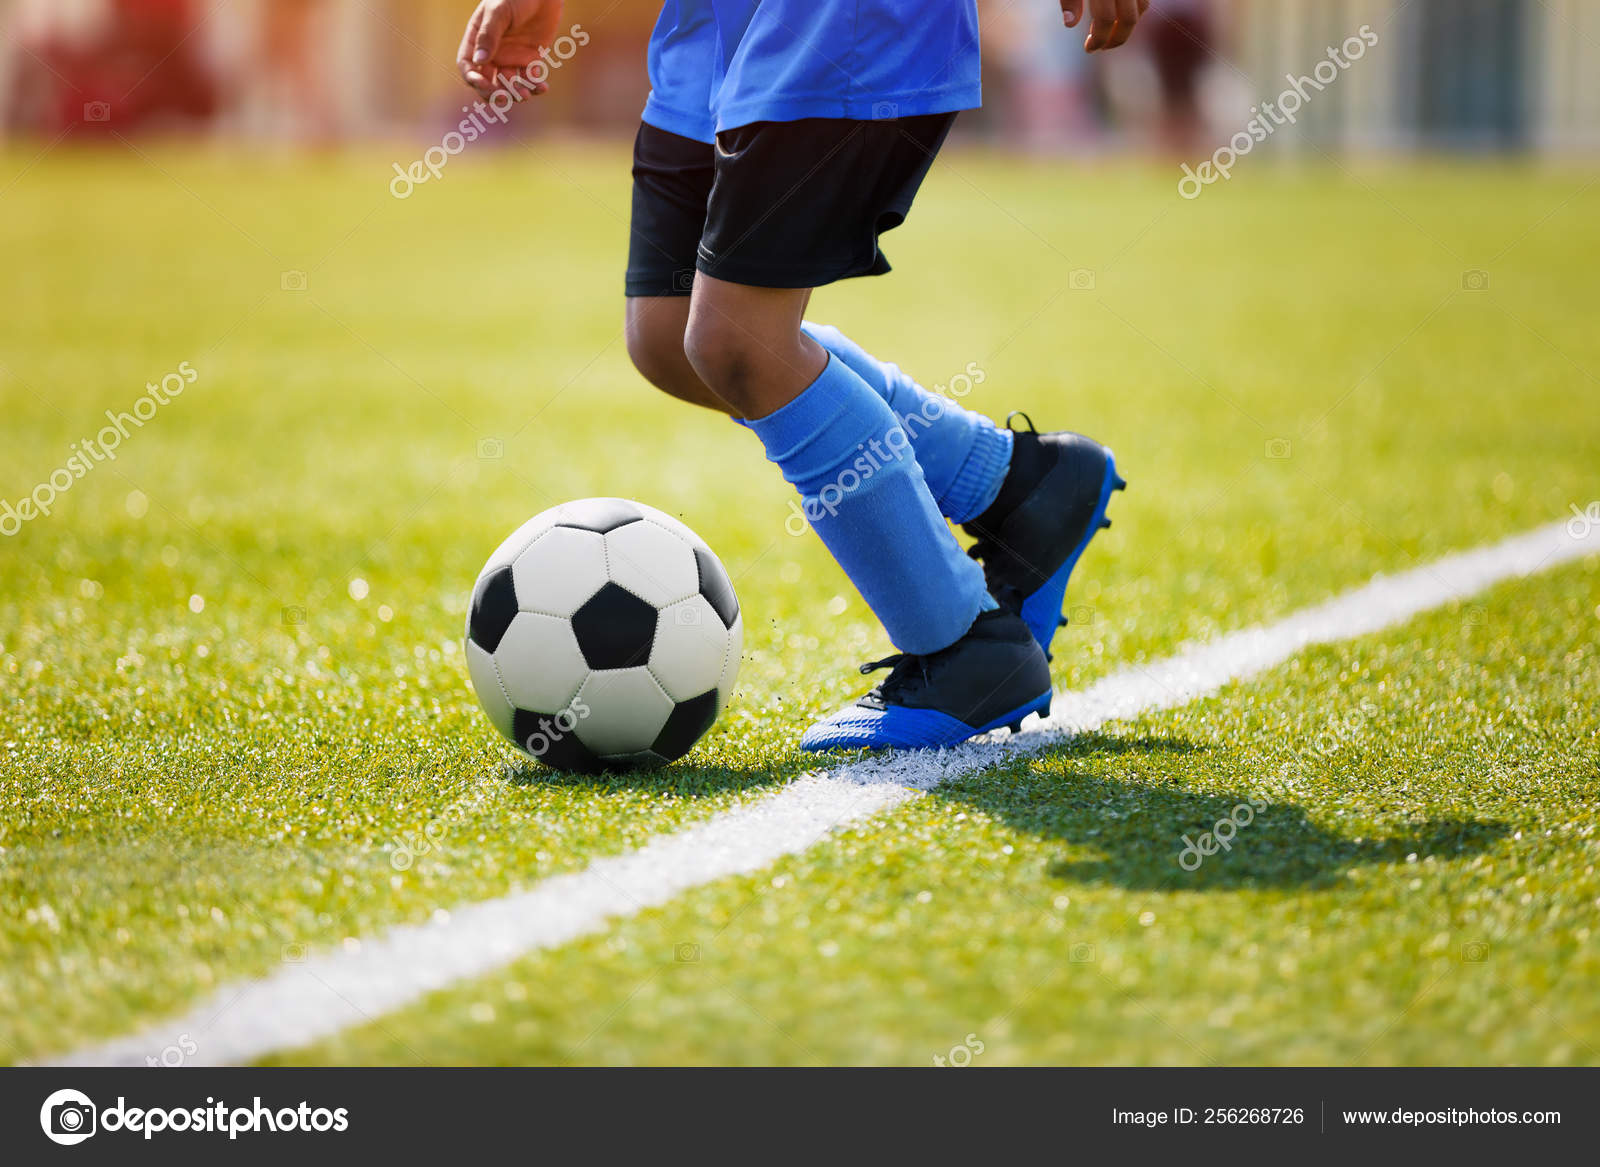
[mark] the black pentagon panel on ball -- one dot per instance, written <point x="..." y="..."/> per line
<point x="550" y="739"/>
<point x="615" y="629"/>
<point x="687" y="722"/>
<point x="494" y="606"/>
<point x="599" y="514"/>
<point x="716" y="587"/>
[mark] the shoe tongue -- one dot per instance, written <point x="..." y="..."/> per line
<point x="985" y="620"/>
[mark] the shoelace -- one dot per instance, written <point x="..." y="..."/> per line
<point x="900" y="666"/>
<point x="1032" y="429"/>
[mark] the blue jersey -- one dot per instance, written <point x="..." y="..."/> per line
<point x="719" y="64"/>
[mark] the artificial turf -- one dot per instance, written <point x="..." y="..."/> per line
<point x="229" y="658"/>
<point x="1415" y="884"/>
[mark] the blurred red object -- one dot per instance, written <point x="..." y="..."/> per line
<point x="141" y="68"/>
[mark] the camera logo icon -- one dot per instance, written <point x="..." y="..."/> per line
<point x="491" y="449"/>
<point x="293" y="281"/>
<point x="1279" y="449"/>
<point x="1082" y="279"/>
<point x="686" y="954"/>
<point x="97" y="111"/>
<point x="683" y="280"/>
<point x="68" y="1117"/>
<point x="1475" y="281"/>
<point x="885" y="111"/>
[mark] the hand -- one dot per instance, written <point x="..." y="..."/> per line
<point x="506" y="35"/>
<point x="1110" y="21"/>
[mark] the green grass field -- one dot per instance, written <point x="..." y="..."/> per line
<point x="233" y="684"/>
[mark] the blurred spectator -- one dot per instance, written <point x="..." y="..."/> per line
<point x="1179" y="41"/>
<point x="1053" y="81"/>
<point x="295" y="86"/>
<point x="1450" y="74"/>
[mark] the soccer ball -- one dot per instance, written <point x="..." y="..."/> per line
<point x="603" y="635"/>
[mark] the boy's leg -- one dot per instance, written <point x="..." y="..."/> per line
<point x="1032" y="501"/>
<point x="963" y="454"/>
<point x="841" y="446"/>
<point x="654" y="327"/>
<point x="967" y="666"/>
<point x="672" y="177"/>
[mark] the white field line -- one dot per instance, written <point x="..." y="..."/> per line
<point x="304" y="1002"/>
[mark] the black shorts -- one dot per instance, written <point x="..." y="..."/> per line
<point x="774" y="204"/>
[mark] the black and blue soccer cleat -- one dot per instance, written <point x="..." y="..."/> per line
<point x="1052" y="503"/>
<point x="993" y="676"/>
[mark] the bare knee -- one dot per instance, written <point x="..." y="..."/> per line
<point x="745" y="344"/>
<point x="723" y="356"/>
<point x="654" y="331"/>
<point x="755" y="374"/>
<point x="655" y="343"/>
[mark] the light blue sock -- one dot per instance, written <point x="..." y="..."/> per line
<point x="964" y="456"/>
<point x="862" y="490"/>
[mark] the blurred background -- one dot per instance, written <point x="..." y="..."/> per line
<point x="1501" y="75"/>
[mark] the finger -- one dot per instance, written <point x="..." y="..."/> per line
<point x="1127" y="17"/>
<point x="1071" y="12"/>
<point x="464" y="53"/>
<point x="1102" y="20"/>
<point x="496" y="19"/>
<point x="479" y="79"/>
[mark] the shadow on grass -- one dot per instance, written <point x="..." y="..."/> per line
<point x="1131" y="834"/>
<point x="679" y="780"/>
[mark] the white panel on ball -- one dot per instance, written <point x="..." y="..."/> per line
<point x="691" y="648"/>
<point x="519" y="539"/>
<point x="661" y="518"/>
<point x="540" y="663"/>
<point x="559" y="571"/>
<point x="652" y="562"/>
<point x="486" y="684"/>
<point x="621" y="711"/>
